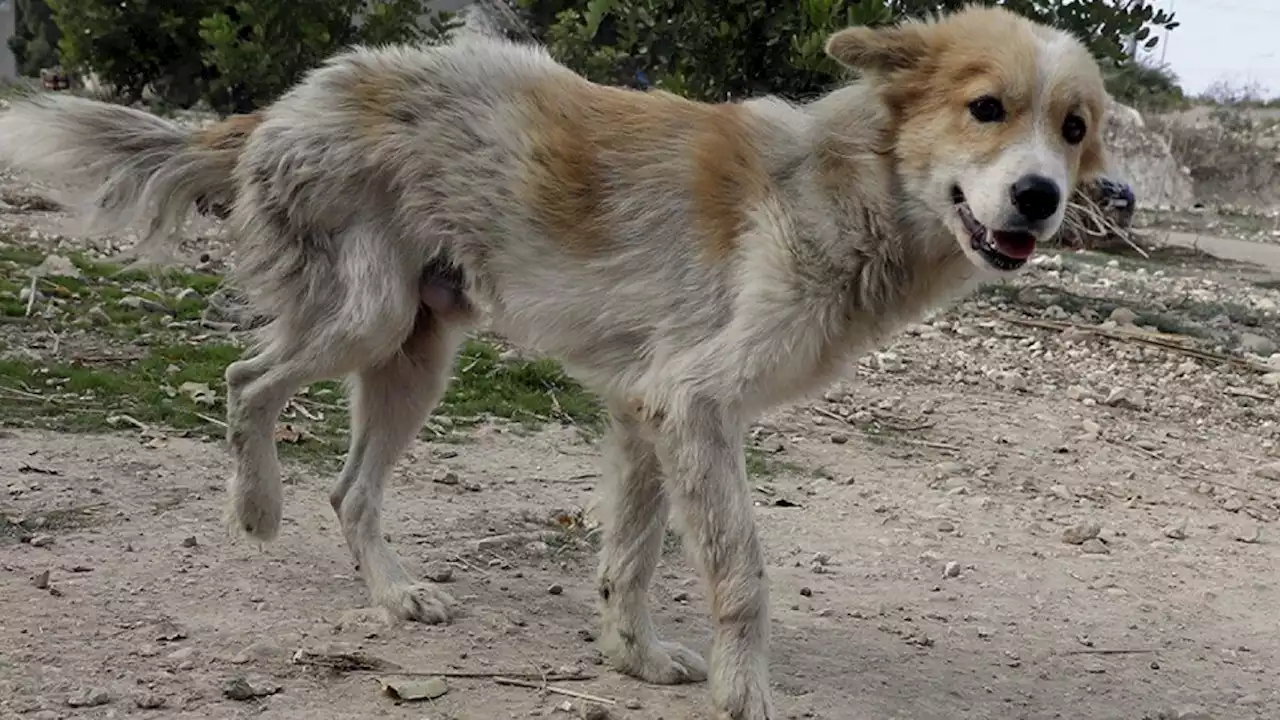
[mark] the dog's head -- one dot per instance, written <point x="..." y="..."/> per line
<point x="996" y="120"/>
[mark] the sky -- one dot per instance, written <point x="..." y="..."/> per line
<point x="1232" y="40"/>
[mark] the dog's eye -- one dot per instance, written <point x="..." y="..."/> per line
<point x="1074" y="129"/>
<point x="987" y="109"/>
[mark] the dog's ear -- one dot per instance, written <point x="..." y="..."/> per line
<point x="882" y="49"/>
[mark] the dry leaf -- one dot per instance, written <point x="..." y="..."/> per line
<point x="200" y="393"/>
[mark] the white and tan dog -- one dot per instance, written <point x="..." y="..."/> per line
<point x="692" y="263"/>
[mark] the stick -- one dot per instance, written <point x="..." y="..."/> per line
<point x="554" y="690"/>
<point x="481" y="675"/>
<point x="31" y="297"/>
<point x="1111" y="651"/>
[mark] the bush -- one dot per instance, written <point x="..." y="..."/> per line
<point x="1144" y="86"/>
<point x="35" y="37"/>
<point x="718" y="49"/>
<point x="235" y="54"/>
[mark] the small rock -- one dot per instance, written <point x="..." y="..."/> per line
<point x="1078" y="534"/>
<point x="93" y="697"/>
<point x="820" y="558"/>
<point x="55" y="266"/>
<point x="1249" y="700"/>
<point x="439" y="572"/>
<point x="681" y="597"/>
<point x="951" y="570"/>
<point x="449" y="478"/>
<point x="41" y="580"/>
<point x="806" y="592"/>
<point x="946" y="526"/>
<point x="1250" y="537"/>
<point x="238" y="689"/>
<point x="1090" y="427"/>
<point x="592" y="711"/>
<point x="556" y="589"/>
<point x="1270" y="471"/>
<point x="41" y="541"/>
<point x="1177" y="531"/>
<point x="1123" y="316"/>
<point x="839" y="439"/>
<point x="1257" y="344"/>
<point x="150" y="701"/>
<point x="632" y="704"/>
<point x="190" y="541"/>
<point x="1094" y="546"/>
<point x="182" y="654"/>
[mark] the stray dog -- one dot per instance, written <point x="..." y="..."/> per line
<point x="694" y="264"/>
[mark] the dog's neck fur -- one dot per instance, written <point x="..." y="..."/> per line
<point x="895" y="253"/>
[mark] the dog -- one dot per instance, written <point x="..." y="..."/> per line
<point x="693" y="264"/>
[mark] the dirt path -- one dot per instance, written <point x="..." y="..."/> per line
<point x="1173" y="605"/>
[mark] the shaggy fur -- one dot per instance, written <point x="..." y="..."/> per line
<point x="694" y="264"/>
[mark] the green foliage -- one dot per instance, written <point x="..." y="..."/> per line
<point x="708" y="49"/>
<point x="1143" y="85"/>
<point x="719" y="49"/>
<point x="235" y="54"/>
<point x="133" y="44"/>
<point x="35" y="39"/>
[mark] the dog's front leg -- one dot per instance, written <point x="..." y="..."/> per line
<point x="701" y="448"/>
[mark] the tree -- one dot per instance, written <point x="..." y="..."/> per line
<point x="718" y="49"/>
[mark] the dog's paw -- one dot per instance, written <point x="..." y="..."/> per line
<point x="419" y="602"/>
<point x="666" y="663"/>
<point x="751" y="702"/>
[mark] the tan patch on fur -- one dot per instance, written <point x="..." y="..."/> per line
<point x="987" y="51"/>
<point x="582" y="134"/>
<point x="228" y="134"/>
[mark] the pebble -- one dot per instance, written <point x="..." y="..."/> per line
<point x="41" y="580"/>
<point x="190" y="541"/>
<point x="556" y="589"/>
<point x="1123" y="316"/>
<point x="150" y="701"/>
<point x="1177" y="531"/>
<point x="1257" y="344"/>
<point x="41" y="541"/>
<point x="592" y="711"/>
<point x="92" y="697"/>
<point x="439" y="572"/>
<point x="449" y="478"/>
<point x="1270" y="471"/>
<point x="1080" y="533"/>
<point x="1094" y="546"/>
<point x="951" y="570"/>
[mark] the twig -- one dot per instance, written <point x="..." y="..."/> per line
<point x="209" y="419"/>
<point x="1111" y="651"/>
<point x="554" y="690"/>
<point x="906" y="441"/>
<point x="480" y="675"/>
<point x="31" y="296"/>
<point x="1141" y="338"/>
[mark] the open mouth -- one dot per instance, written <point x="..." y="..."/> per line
<point x="1003" y="249"/>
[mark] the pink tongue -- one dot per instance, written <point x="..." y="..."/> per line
<point x="1017" y="245"/>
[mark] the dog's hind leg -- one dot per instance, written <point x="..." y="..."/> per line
<point x="634" y="525"/>
<point x="389" y="403"/>
<point x="338" y="322"/>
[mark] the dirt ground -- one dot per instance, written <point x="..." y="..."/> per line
<point x="1025" y="507"/>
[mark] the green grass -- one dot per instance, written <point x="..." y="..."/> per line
<point x="171" y="374"/>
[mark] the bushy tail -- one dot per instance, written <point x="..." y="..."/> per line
<point x="141" y="170"/>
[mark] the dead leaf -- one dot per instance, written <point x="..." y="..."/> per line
<point x="200" y="393"/>
<point x="411" y="689"/>
<point x="291" y="433"/>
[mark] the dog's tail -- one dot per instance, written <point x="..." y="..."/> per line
<point x="143" y="171"/>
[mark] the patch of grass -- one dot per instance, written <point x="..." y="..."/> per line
<point x="173" y="377"/>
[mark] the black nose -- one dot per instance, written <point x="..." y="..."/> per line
<point x="1036" y="197"/>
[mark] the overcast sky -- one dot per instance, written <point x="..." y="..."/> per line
<point x="1233" y="40"/>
